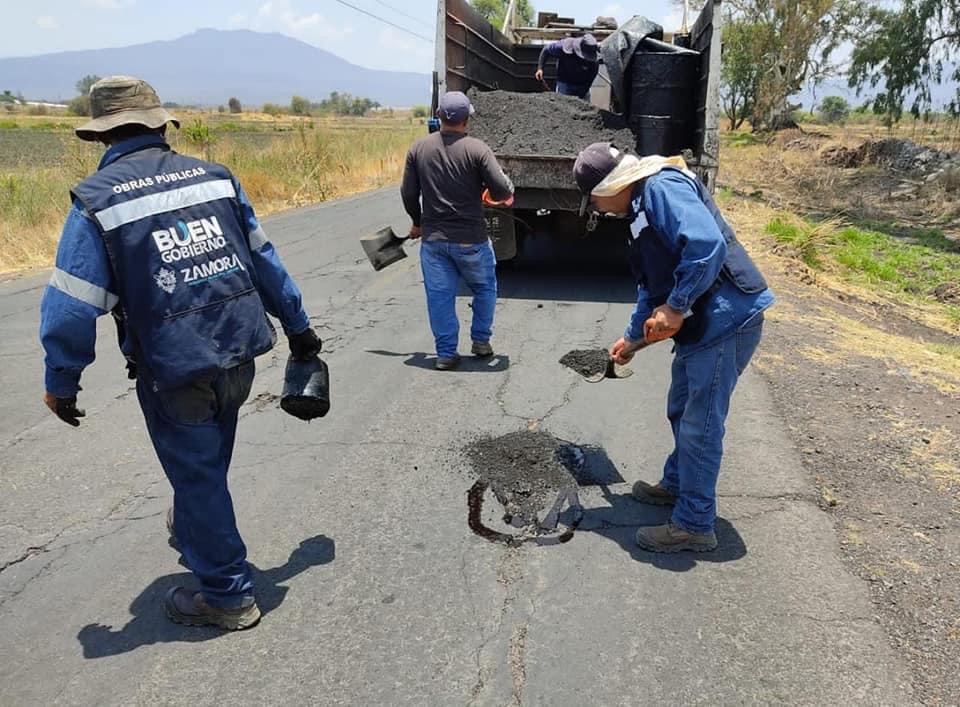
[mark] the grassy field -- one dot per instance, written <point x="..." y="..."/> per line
<point x="845" y="236"/>
<point x="282" y="163"/>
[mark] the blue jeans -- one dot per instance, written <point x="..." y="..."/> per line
<point x="697" y="405"/>
<point x="572" y="89"/>
<point x="193" y="430"/>
<point x="443" y="264"/>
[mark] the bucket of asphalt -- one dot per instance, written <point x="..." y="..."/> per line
<point x="383" y="248"/>
<point x="306" y="388"/>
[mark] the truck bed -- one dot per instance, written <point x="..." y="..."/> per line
<point x="473" y="54"/>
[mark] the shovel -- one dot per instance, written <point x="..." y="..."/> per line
<point x="383" y="248"/>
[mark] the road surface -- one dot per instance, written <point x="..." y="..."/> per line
<point x="374" y="589"/>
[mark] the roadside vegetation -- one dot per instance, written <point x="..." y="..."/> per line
<point x="282" y="160"/>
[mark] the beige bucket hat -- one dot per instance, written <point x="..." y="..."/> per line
<point x="123" y="100"/>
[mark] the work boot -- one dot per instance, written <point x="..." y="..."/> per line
<point x="654" y="494"/>
<point x="481" y="349"/>
<point x="671" y="538"/>
<point x="447" y="364"/>
<point x="192" y="610"/>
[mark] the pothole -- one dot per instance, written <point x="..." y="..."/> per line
<point x="527" y="486"/>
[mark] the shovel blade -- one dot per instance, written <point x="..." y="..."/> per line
<point x="383" y="248"/>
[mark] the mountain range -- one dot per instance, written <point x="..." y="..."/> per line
<point x="209" y="66"/>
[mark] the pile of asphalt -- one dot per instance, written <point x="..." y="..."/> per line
<point x="524" y="469"/>
<point x="543" y="123"/>
<point x="586" y="362"/>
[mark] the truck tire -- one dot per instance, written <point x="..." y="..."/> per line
<point x="502" y="230"/>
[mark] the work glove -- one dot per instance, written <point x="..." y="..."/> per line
<point x="305" y="345"/>
<point x="65" y="408"/>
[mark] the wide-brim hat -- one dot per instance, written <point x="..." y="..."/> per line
<point x="584" y="47"/>
<point x="123" y="100"/>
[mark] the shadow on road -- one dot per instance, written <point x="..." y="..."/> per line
<point x="468" y="364"/>
<point x="587" y="270"/>
<point x="619" y="522"/>
<point x="150" y="625"/>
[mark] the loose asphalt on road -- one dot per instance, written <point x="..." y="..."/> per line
<point x="374" y="589"/>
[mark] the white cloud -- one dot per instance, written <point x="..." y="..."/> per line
<point x="48" y="22"/>
<point x="108" y="4"/>
<point x="673" y="21"/>
<point x="280" y="16"/>
<point x="616" y="10"/>
<point x="411" y="53"/>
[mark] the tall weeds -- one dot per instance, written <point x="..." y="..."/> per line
<point x="307" y="164"/>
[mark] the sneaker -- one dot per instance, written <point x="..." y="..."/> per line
<point x="447" y="364"/>
<point x="481" y="349"/>
<point x="193" y="610"/>
<point x="654" y="494"/>
<point x="670" y="538"/>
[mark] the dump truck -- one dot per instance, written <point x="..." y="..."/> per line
<point x="668" y="96"/>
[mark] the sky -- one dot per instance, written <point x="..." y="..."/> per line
<point x="46" y="26"/>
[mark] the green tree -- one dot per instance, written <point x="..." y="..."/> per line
<point x="420" y="111"/>
<point x="234" y="105"/>
<point x="905" y="50"/>
<point x="791" y="43"/>
<point x="83" y="85"/>
<point x="79" y="106"/>
<point x="272" y="109"/>
<point x="834" y="109"/>
<point x="496" y="10"/>
<point x="740" y="74"/>
<point x="200" y="134"/>
<point x="299" y="105"/>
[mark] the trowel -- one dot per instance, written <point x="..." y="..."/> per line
<point x="383" y="248"/>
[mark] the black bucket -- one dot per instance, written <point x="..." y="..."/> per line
<point x="664" y="83"/>
<point x="306" y="388"/>
<point x="661" y="134"/>
<point x="663" y="99"/>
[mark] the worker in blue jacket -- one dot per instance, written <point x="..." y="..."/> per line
<point x="698" y="285"/>
<point x="578" y="63"/>
<point x="171" y="247"/>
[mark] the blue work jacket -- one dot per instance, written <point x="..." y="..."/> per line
<point x="571" y="69"/>
<point x="684" y="254"/>
<point x="84" y="284"/>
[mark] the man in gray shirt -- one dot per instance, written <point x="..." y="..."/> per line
<point x="448" y="171"/>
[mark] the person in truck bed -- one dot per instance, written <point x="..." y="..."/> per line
<point x="577" y="64"/>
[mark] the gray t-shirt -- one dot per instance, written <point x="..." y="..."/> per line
<point x="449" y="172"/>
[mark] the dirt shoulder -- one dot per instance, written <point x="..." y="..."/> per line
<point x="871" y="396"/>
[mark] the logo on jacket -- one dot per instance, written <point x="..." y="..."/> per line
<point x="166" y="280"/>
<point x="189" y="239"/>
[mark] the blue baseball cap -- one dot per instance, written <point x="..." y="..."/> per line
<point x="454" y="107"/>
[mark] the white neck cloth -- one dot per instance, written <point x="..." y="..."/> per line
<point x="632" y="169"/>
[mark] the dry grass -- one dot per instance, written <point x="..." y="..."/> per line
<point x="290" y="163"/>
<point x="766" y="184"/>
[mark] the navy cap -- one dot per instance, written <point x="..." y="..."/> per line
<point x="593" y="165"/>
<point x="454" y="107"/>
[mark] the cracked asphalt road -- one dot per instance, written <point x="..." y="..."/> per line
<point x="374" y="589"/>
